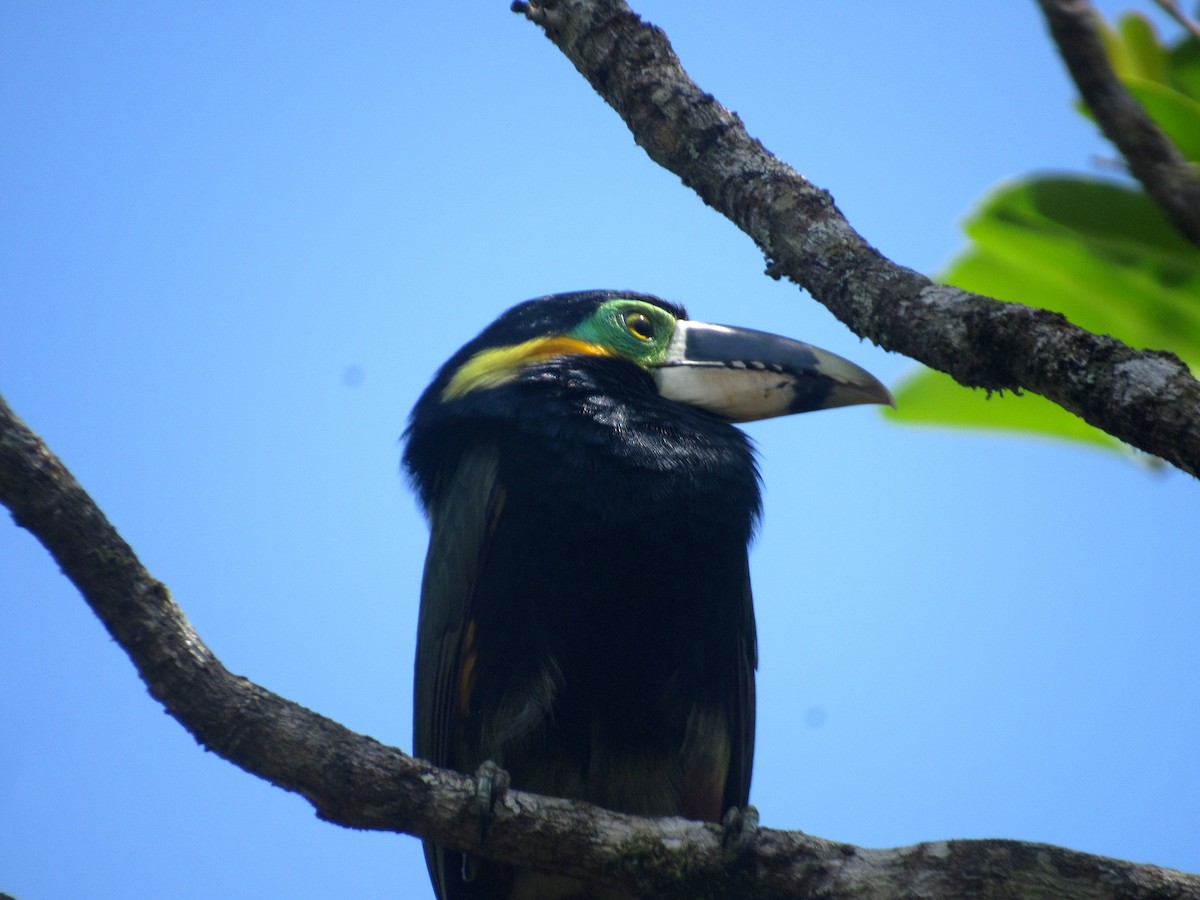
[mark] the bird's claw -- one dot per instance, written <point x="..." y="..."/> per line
<point x="491" y="782"/>
<point x="739" y="827"/>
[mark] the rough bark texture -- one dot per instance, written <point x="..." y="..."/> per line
<point x="1153" y="159"/>
<point x="1171" y="8"/>
<point x="355" y="781"/>
<point x="1146" y="398"/>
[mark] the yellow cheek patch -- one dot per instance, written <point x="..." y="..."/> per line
<point x="495" y="366"/>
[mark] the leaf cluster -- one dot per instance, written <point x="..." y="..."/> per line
<point x="1097" y="250"/>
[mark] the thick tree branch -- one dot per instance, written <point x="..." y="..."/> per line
<point x="1153" y="159"/>
<point x="1145" y="398"/>
<point x="355" y="781"/>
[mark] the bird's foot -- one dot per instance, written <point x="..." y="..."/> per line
<point x="491" y="782"/>
<point x="739" y="828"/>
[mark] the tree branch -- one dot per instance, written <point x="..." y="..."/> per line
<point x="355" y="781"/>
<point x="1171" y="8"/>
<point x="1146" y="398"/>
<point x="1153" y="159"/>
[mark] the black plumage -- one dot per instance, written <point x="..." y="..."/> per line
<point x="586" y="618"/>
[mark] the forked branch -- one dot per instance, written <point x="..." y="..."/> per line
<point x="1152" y="158"/>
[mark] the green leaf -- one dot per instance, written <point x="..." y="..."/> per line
<point x="1100" y="253"/>
<point x="1135" y="49"/>
<point x="1185" y="68"/>
<point x="1176" y="113"/>
<point x="1097" y="252"/>
<point x="927" y="397"/>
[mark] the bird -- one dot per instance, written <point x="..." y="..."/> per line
<point x="586" y="623"/>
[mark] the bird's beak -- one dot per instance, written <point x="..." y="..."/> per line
<point x="742" y="375"/>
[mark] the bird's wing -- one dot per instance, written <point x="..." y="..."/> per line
<point x="461" y="520"/>
<point x="737" y="786"/>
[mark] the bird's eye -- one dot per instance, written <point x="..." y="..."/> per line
<point x="640" y="325"/>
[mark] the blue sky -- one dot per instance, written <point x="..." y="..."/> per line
<point x="235" y="245"/>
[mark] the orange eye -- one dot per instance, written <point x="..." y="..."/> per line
<point x="640" y="325"/>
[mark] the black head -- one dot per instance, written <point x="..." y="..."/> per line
<point x="621" y="377"/>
